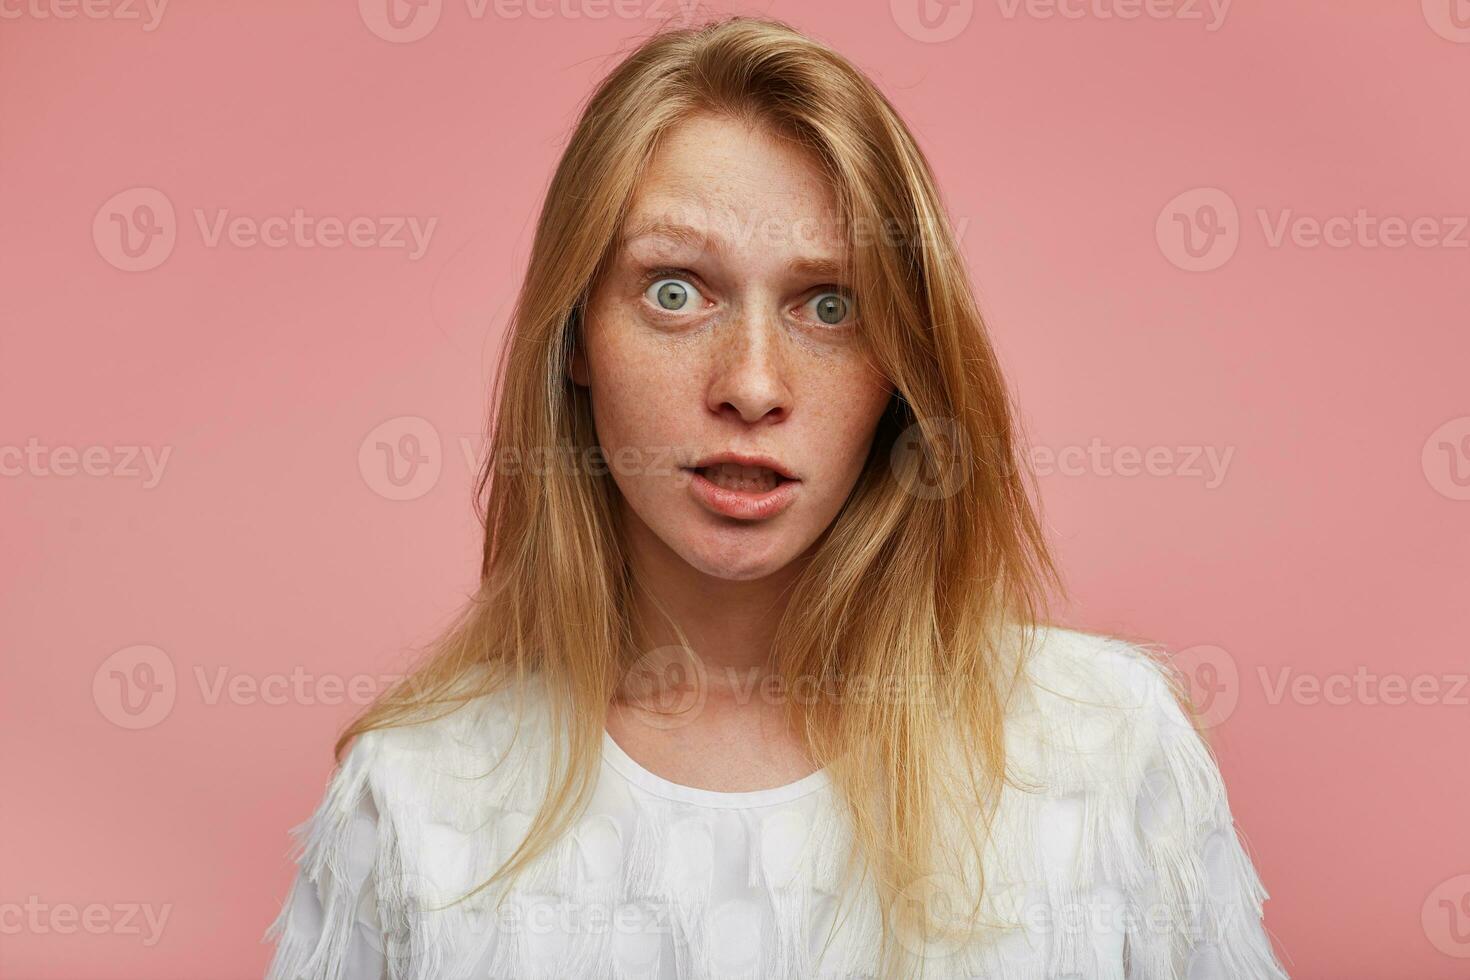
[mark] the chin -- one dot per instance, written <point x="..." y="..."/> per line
<point x="742" y="561"/>
<point x="734" y="551"/>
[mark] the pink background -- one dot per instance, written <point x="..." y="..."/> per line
<point x="1337" y="541"/>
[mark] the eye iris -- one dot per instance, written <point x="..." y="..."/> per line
<point x="672" y="296"/>
<point x="831" y="308"/>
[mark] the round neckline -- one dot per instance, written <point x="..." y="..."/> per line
<point x="614" y="756"/>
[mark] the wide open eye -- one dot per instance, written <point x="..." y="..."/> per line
<point x="831" y="308"/>
<point x="674" y="295"/>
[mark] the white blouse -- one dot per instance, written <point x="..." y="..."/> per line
<point x="1119" y="860"/>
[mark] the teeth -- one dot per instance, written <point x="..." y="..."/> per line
<point x="731" y="476"/>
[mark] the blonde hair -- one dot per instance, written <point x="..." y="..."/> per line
<point x="936" y="549"/>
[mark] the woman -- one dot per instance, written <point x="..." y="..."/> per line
<point x="757" y="681"/>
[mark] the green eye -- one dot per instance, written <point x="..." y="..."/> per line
<point x="674" y="295"/>
<point x="832" y="308"/>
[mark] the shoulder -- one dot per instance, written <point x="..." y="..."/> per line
<point x="1106" y="720"/>
<point x="1093" y="710"/>
<point x="490" y="748"/>
<point x="428" y="791"/>
<point x="414" y="815"/>
<point x="452" y="765"/>
<point x="1068" y="666"/>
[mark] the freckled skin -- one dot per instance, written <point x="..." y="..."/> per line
<point x="753" y="369"/>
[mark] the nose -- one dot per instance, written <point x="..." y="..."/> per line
<point x="748" y="377"/>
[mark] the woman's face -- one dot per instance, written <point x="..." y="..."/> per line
<point x="720" y="326"/>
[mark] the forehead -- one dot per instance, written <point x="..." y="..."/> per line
<point x="725" y="185"/>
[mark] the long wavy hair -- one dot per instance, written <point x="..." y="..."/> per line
<point x="936" y="550"/>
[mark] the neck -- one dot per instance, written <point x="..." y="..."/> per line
<point x="730" y="625"/>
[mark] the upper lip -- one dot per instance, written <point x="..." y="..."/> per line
<point x="744" y="459"/>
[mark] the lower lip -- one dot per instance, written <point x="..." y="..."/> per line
<point x="744" y="504"/>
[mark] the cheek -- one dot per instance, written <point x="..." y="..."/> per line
<point x="640" y="388"/>
<point x="850" y="402"/>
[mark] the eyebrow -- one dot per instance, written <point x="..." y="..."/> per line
<point x="819" y="268"/>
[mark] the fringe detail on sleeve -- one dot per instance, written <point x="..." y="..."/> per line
<point x="333" y="851"/>
<point x="1201" y="908"/>
<point x="413" y="819"/>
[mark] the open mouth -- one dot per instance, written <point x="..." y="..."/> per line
<point x="741" y="490"/>
<point x="742" y="479"/>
